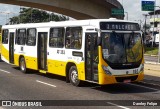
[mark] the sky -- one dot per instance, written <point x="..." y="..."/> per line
<point x="13" y="10"/>
<point x="133" y="7"/>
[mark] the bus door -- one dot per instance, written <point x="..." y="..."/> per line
<point x="42" y="50"/>
<point x="11" y="47"/>
<point x="91" y="57"/>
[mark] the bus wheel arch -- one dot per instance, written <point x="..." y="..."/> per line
<point x="68" y="66"/>
<point x="22" y="64"/>
<point x="72" y="74"/>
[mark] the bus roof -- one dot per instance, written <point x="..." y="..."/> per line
<point x="92" y="22"/>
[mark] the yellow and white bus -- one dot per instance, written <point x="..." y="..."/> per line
<point x="103" y="51"/>
<point x="0" y="43"/>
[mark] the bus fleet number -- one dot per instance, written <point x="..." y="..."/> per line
<point x="135" y="71"/>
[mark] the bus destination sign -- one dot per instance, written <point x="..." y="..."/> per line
<point x="121" y="26"/>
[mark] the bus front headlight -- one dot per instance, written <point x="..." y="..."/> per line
<point x="142" y="68"/>
<point x="106" y="70"/>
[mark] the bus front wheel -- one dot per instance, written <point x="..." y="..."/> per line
<point x="73" y="76"/>
<point x="22" y="65"/>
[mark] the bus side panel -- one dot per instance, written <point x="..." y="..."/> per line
<point x="58" y="59"/>
<point x="0" y="43"/>
<point x="59" y="68"/>
<point x="16" y="58"/>
<point x="31" y="57"/>
<point x="5" y="53"/>
<point x="17" y="53"/>
<point x="31" y="62"/>
<point x="81" y="70"/>
<point x="56" y="67"/>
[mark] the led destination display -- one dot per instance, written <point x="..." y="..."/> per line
<point x="122" y="26"/>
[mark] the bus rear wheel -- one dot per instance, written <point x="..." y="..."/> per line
<point x="22" y="65"/>
<point x="73" y="76"/>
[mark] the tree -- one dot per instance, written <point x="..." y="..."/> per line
<point x="14" y="20"/>
<point x="30" y="15"/>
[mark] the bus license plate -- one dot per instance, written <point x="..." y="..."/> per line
<point x="127" y="81"/>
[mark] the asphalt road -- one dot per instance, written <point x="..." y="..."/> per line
<point x="15" y="85"/>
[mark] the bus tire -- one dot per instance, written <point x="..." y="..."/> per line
<point x="22" y="65"/>
<point x="73" y="76"/>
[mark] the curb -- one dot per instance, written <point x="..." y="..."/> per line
<point x="154" y="55"/>
<point x="155" y="63"/>
<point x="151" y="55"/>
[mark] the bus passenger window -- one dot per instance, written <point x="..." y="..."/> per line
<point x="88" y="46"/>
<point x="56" y="38"/>
<point x="31" y="37"/>
<point x="73" y="37"/>
<point x="21" y="37"/>
<point x="5" y="37"/>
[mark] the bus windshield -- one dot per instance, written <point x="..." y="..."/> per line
<point x="122" y="48"/>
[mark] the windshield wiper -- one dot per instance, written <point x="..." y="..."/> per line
<point x="119" y="39"/>
<point x="129" y="43"/>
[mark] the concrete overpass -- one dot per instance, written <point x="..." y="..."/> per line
<point x="78" y="9"/>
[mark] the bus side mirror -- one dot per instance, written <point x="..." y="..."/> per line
<point x="99" y="41"/>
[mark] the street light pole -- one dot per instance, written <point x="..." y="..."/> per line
<point x="159" y="48"/>
<point x="126" y="14"/>
<point x="153" y="27"/>
<point x="154" y="22"/>
<point x="145" y="26"/>
<point x="159" y="34"/>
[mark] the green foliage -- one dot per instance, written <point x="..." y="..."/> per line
<point x="151" y="50"/>
<point x="30" y="15"/>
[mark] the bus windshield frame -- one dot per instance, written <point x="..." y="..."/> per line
<point x="122" y="49"/>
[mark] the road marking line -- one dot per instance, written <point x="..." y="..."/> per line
<point x="144" y="87"/>
<point x="45" y="83"/>
<point x="118" y="105"/>
<point x="5" y="71"/>
<point x="150" y="83"/>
